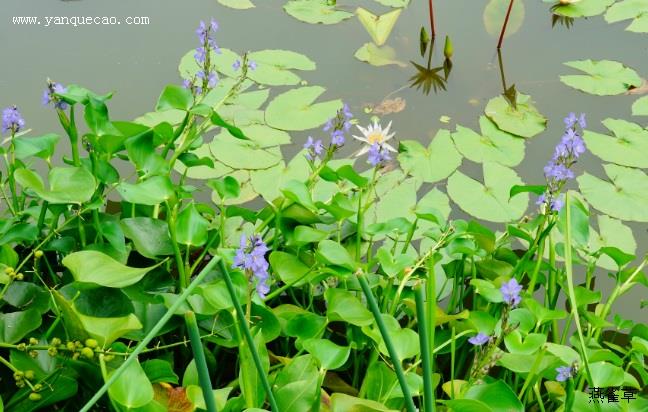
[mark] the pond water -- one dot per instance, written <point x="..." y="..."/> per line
<point x="137" y="61"/>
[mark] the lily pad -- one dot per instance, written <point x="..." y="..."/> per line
<point x="494" y="15"/>
<point x="377" y="56"/>
<point x="493" y="145"/>
<point x="239" y="154"/>
<point x="611" y="233"/>
<point x="315" y="11"/>
<point x="640" y="107"/>
<point x="627" y="148"/>
<point x="431" y="164"/>
<point x="637" y="10"/>
<point x="267" y="182"/>
<point x="237" y="4"/>
<point x="623" y="196"/>
<point x="378" y="27"/>
<point x="295" y="110"/>
<point x="394" y="3"/>
<point x="580" y="8"/>
<point x="489" y="200"/>
<point x="523" y="120"/>
<point x="273" y="67"/>
<point x="603" y="78"/>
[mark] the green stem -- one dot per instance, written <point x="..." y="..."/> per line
<point x="398" y="367"/>
<point x="176" y="249"/>
<point x="426" y="356"/>
<point x="248" y="336"/>
<point x="153" y="333"/>
<point x="201" y="362"/>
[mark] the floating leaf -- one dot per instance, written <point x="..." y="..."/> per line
<point x="66" y="184"/>
<point x="493" y="145"/>
<point x="603" y="78"/>
<point x="640" y="107"/>
<point x="580" y="8"/>
<point x="240" y="154"/>
<point x="394" y="3"/>
<point x="611" y="233"/>
<point x="294" y="109"/>
<point x="494" y="15"/>
<point x="490" y="200"/>
<point x="377" y="56"/>
<point x="315" y="11"/>
<point x="630" y="9"/>
<point x="378" y="27"/>
<point x="89" y="266"/>
<point x="523" y="120"/>
<point x="273" y="67"/>
<point x="237" y="4"/>
<point x="624" y="196"/>
<point x="627" y="148"/>
<point x="431" y="164"/>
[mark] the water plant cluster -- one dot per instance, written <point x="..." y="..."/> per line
<point x="180" y="262"/>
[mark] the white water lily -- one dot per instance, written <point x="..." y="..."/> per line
<point x="374" y="134"/>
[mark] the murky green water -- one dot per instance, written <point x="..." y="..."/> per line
<point x="137" y="61"/>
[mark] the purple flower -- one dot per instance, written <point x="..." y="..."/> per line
<point x="479" y="339"/>
<point x="250" y="257"/>
<point x="205" y="35"/>
<point x="571" y="145"/>
<point x="564" y="373"/>
<point x="557" y="204"/>
<point x="581" y="121"/>
<point x="541" y="199"/>
<point x="378" y="154"/>
<point x="511" y="292"/>
<point x="212" y="80"/>
<point x="48" y="95"/>
<point x="252" y="65"/>
<point x="570" y="120"/>
<point x="12" y="121"/>
<point x="557" y="172"/>
<point x="236" y="65"/>
<point x="328" y="126"/>
<point x="346" y="111"/>
<point x="337" y="138"/>
<point x="314" y="147"/>
<point x="200" y="55"/>
<point x="186" y="83"/>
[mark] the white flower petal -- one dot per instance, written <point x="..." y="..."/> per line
<point x="362" y="151"/>
<point x="387" y="137"/>
<point x="363" y="130"/>
<point x="362" y="139"/>
<point x="386" y="131"/>
<point x="389" y="147"/>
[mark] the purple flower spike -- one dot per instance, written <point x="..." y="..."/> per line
<point x="236" y="65"/>
<point x="557" y="204"/>
<point x="564" y="373"/>
<point x="12" y="121"/>
<point x="252" y="65"/>
<point x="570" y="120"/>
<point x="511" y="292"/>
<point x="250" y="257"/>
<point x="378" y="154"/>
<point x="479" y="339"/>
<point x="337" y="138"/>
<point x="314" y="147"/>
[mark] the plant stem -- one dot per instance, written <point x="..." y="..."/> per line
<point x="431" y="9"/>
<point x="506" y="19"/>
<point x="201" y="363"/>
<point x="154" y="332"/>
<point x="426" y="356"/>
<point x="248" y="336"/>
<point x="398" y="367"/>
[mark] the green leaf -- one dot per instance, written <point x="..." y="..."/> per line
<point x="273" y="67"/>
<point x="626" y="148"/>
<point x="344" y="306"/>
<point x="66" y="184"/>
<point x="630" y="9"/>
<point x="623" y="196"/>
<point x="89" y="266"/>
<point x="497" y="395"/>
<point x="431" y="164"/>
<point x="640" y="107"/>
<point x="294" y="109"/>
<point x="150" y="236"/>
<point x="159" y="370"/>
<point x="615" y="240"/>
<point x="527" y="346"/>
<point x="493" y="145"/>
<point x="378" y="27"/>
<point x="490" y="200"/>
<point x="467" y="405"/>
<point x="605" y="374"/>
<point x="239" y="154"/>
<point x="329" y="355"/>
<point x="151" y="192"/>
<point x="289" y="268"/>
<point x="191" y="227"/>
<point x="582" y="8"/>
<point x="41" y="146"/>
<point x="377" y="55"/>
<point x="298" y="192"/>
<point x="341" y="402"/>
<point x="14" y="326"/>
<point x="132" y="389"/>
<point x="332" y="253"/>
<point x="249" y="380"/>
<point x="237" y="4"/>
<point x="496" y="11"/>
<point x="602" y="78"/>
<point x="174" y="97"/>
<point x="405" y="340"/>
<point x="522" y="120"/>
<point x="315" y="11"/>
<point x="297" y="384"/>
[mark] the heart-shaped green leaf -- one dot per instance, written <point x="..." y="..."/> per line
<point x="89" y="266"/>
<point x="66" y="184"/>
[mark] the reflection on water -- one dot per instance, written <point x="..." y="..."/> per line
<point x="510" y="92"/>
<point x="428" y="78"/>
<point x="564" y="21"/>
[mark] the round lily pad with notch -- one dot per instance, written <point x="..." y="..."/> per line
<point x="315" y="11"/>
<point x="377" y="55"/>
<point x="627" y="148"/>
<point x="602" y="77"/>
<point x="493" y="145"/>
<point x="237" y="4"/>
<point x="273" y="67"/>
<point x="489" y="200"/>
<point x="431" y="164"/>
<point x="522" y="120"/>
<point x="494" y="15"/>
<point x="624" y="195"/>
<point x="637" y="10"/>
<point x="296" y="110"/>
<point x="579" y="8"/>
<point x="394" y="3"/>
<point x="640" y="107"/>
